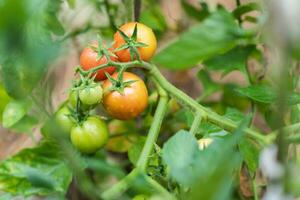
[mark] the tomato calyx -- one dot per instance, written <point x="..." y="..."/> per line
<point x="118" y="84"/>
<point x="102" y="50"/>
<point x="132" y="44"/>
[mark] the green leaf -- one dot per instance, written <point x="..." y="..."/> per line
<point x="37" y="171"/>
<point x="4" y="100"/>
<point x="245" y="8"/>
<point x="234" y="114"/>
<point x="266" y="94"/>
<point x="25" y="125"/>
<point x="250" y="153"/>
<point x="14" y="112"/>
<point x="217" y="34"/>
<point x="209" y="86"/>
<point x="154" y="18"/>
<point x="26" y="45"/>
<point x="234" y="59"/>
<point x="180" y="153"/>
<point x="54" y="24"/>
<point x="198" y="14"/>
<point x="71" y="3"/>
<point x="135" y="150"/>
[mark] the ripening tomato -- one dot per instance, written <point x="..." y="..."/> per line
<point x="144" y="35"/>
<point x="88" y="60"/>
<point x="89" y="136"/>
<point x="130" y="103"/>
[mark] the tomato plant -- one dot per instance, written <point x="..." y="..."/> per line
<point x="212" y="114"/>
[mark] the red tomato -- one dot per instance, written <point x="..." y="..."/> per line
<point x="88" y="60"/>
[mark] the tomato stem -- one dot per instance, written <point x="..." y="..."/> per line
<point x="154" y="129"/>
<point x="196" y="123"/>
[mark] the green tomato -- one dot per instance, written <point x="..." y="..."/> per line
<point x="91" y="95"/>
<point x="73" y="101"/>
<point x="89" y="136"/>
<point x="62" y="118"/>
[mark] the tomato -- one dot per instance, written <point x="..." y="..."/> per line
<point x="91" y="95"/>
<point x="73" y="101"/>
<point x="130" y="103"/>
<point x="62" y="118"/>
<point x="123" y="136"/>
<point x="144" y="35"/>
<point x="89" y="136"/>
<point x="88" y="60"/>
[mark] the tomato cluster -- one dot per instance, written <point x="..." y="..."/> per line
<point x="123" y="94"/>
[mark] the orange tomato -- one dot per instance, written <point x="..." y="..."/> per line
<point x="131" y="103"/>
<point x="144" y="35"/>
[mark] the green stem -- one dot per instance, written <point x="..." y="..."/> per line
<point x="254" y="188"/>
<point x="159" y="188"/>
<point x="130" y="9"/>
<point x="206" y="114"/>
<point x="110" y="16"/>
<point x="116" y="191"/>
<point x="154" y="130"/>
<point x="293" y="139"/>
<point x="196" y="123"/>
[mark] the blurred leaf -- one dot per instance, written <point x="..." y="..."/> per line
<point x="25" y="125"/>
<point x="245" y="8"/>
<point x="209" y="86"/>
<point x="267" y="94"/>
<point x="234" y="59"/>
<point x="4" y="99"/>
<point x="122" y="135"/>
<point x="234" y="114"/>
<point x="154" y="18"/>
<point x="26" y="46"/>
<point x="14" y="111"/>
<point x="40" y="171"/>
<point x="198" y="14"/>
<point x="199" y="44"/>
<point x="135" y="150"/>
<point x="250" y="153"/>
<point x="180" y="153"/>
<point x="232" y="98"/>
<point x="71" y="3"/>
<point x="216" y="175"/>
<point x="54" y="24"/>
<point x="103" y="166"/>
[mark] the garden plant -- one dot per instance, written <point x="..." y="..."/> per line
<point x="123" y="130"/>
